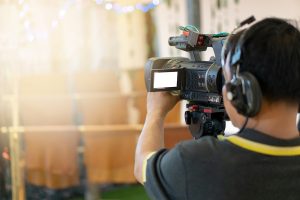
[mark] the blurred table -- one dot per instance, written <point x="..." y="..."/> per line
<point x="110" y="150"/>
<point x="51" y="156"/>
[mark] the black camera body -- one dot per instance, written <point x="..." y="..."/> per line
<point x="192" y="81"/>
<point x="198" y="82"/>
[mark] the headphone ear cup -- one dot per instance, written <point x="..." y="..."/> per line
<point x="252" y="94"/>
<point x="231" y="91"/>
<point x="235" y="95"/>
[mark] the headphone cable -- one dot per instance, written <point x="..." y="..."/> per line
<point x="244" y="125"/>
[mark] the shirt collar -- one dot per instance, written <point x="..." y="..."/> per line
<point x="260" y="137"/>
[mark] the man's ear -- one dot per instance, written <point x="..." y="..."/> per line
<point x="226" y="69"/>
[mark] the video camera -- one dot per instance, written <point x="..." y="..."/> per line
<point x="198" y="82"/>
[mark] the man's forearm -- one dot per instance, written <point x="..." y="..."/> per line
<point x="150" y="140"/>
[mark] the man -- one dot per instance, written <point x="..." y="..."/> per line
<point x="263" y="160"/>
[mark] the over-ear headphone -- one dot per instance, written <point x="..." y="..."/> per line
<point x="243" y="90"/>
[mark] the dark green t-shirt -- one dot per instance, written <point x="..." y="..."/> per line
<point x="251" y="165"/>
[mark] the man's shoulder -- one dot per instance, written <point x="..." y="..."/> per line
<point x="204" y="147"/>
<point x="209" y="143"/>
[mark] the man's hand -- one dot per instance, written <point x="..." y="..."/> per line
<point x="160" y="103"/>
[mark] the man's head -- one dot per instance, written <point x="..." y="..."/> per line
<point x="270" y="52"/>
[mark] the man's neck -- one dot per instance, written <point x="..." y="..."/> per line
<point x="277" y="120"/>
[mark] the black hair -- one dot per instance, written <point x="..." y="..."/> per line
<point x="271" y="52"/>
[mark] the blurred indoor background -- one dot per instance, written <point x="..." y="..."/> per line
<point x="73" y="98"/>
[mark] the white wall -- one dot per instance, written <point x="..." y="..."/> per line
<point x="167" y="19"/>
<point x="132" y="43"/>
<point x="230" y="13"/>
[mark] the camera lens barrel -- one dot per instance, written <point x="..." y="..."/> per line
<point x="213" y="79"/>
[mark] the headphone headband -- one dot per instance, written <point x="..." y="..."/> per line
<point x="243" y="90"/>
